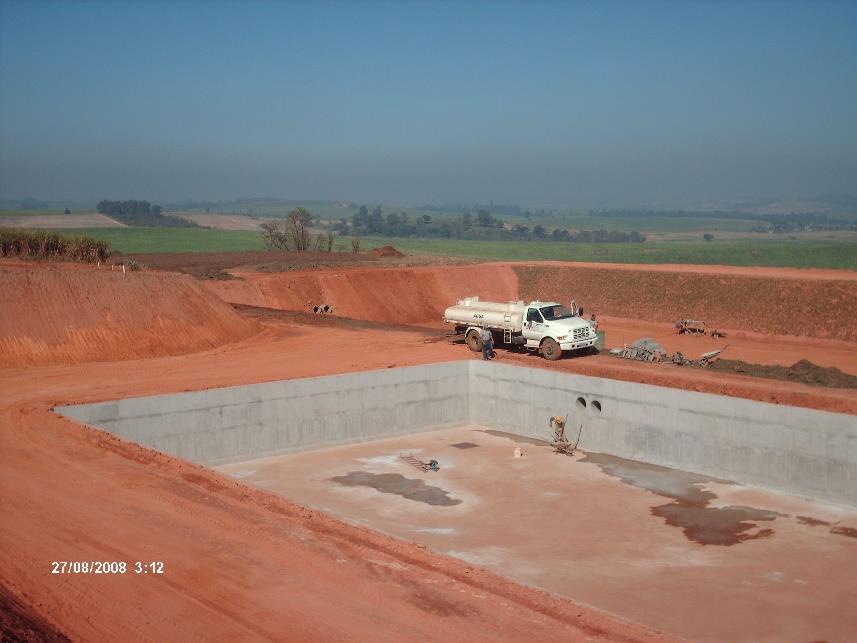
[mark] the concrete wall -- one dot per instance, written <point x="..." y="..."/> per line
<point x="224" y="425"/>
<point x="810" y="453"/>
<point x="801" y="451"/>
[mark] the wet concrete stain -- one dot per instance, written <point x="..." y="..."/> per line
<point x="851" y="532"/>
<point x="514" y="437"/>
<point x="464" y="445"/>
<point x="690" y="507"/>
<point x="399" y="485"/>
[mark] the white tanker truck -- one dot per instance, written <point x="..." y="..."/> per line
<point x="545" y="326"/>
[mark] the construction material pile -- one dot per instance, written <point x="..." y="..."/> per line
<point x="647" y="349"/>
<point x="644" y="349"/>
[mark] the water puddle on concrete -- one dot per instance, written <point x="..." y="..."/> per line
<point x="399" y="485"/>
<point x="690" y="504"/>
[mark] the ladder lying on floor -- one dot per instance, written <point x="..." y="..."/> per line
<point x="419" y="464"/>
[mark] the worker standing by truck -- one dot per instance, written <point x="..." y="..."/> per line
<point x="487" y="342"/>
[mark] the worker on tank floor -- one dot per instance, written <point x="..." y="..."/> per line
<point x="487" y="343"/>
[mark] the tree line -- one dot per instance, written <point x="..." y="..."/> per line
<point x="141" y="213"/>
<point x="482" y="226"/>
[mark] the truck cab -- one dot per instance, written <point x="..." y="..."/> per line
<point x="553" y="328"/>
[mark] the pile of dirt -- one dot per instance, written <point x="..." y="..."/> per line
<point x="404" y="295"/>
<point x="386" y="251"/>
<point x="53" y="314"/>
<point x="756" y="301"/>
<point x="803" y="371"/>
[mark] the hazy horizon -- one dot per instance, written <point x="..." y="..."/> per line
<point x="577" y="105"/>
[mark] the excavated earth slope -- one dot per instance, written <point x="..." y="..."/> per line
<point x="60" y="314"/>
<point x="755" y="301"/>
<point x="760" y="300"/>
<point x="415" y="295"/>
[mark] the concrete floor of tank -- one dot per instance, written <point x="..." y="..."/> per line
<point x="694" y="556"/>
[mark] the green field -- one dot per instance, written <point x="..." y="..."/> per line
<point x="30" y="213"/>
<point x="774" y="253"/>
<point x="762" y="252"/>
<point x="134" y="240"/>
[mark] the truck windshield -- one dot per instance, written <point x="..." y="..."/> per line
<point x="557" y="311"/>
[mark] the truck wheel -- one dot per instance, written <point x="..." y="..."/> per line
<point x="474" y="341"/>
<point x="551" y="350"/>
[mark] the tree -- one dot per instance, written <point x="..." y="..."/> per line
<point x="297" y="228"/>
<point x="484" y="219"/>
<point x="273" y="236"/>
<point x="521" y="231"/>
<point x="361" y="219"/>
<point x="393" y="221"/>
<point x="67" y="211"/>
<point x="708" y="236"/>
<point x="539" y="231"/>
<point x="291" y="234"/>
<point x="355" y="244"/>
<point x="375" y="224"/>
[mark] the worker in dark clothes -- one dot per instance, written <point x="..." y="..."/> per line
<point x="487" y="343"/>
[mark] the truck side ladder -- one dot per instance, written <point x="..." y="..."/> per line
<point x="507" y="328"/>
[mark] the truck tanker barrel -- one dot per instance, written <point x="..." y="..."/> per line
<point x="472" y="312"/>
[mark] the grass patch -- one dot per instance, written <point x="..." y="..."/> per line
<point x="783" y="254"/>
<point x="139" y="240"/>
<point x="33" y="213"/>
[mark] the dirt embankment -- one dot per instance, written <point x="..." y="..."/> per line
<point x="416" y="295"/>
<point x="802" y="371"/>
<point x="53" y="314"/>
<point x="214" y="265"/>
<point x="762" y="304"/>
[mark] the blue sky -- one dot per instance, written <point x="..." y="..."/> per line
<point x="579" y="104"/>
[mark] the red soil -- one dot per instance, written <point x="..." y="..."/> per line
<point x="750" y="299"/>
<point x="240" y="562"/>
<point x="416" y="295"/>
<point x="748" y="346"/>
<point x="802" y="274"/>
<point x="53" y="314"/>
<point x="386" y="251"/>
